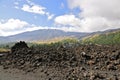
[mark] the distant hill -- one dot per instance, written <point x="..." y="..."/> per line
<point x="101" y="37"/>
<point x="43" y="34"/>
<point x="106" y="37"/>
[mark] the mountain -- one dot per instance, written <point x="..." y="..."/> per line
<point x="106" y="37"/>
<point x="49" y="34"/>
<point x="42" y="34"/>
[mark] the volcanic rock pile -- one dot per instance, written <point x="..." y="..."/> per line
<point x="81" y="62"/>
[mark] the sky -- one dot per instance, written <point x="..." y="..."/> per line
<point x="17" y="16"/>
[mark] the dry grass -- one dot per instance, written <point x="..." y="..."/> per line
<point x="53" y="40"/>
<point x="4" y="50"/>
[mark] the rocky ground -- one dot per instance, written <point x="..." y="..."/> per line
<point x="64" y="62"/>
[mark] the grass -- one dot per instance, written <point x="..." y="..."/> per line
<point x="48" y="43"/>
<point x="54" y="40"/>
<point x="65" y="42"/>
<point x="4" y="50"/>
<point x="105" y="39"/>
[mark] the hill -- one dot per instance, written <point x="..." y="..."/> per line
<point x="41" y="35"/>
<point x="108" y="37"/>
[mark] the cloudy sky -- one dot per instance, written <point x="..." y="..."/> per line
<point x="17" y="16"/>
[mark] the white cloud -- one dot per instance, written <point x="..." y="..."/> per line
<point x="70" y="20"/>
<point x="16" y="7"/>
<point x="103" y="8"/>
<point x="34" y="9"/>
<point x="16" y="3"/>
<point x="15" y="26"/>
<point x="95" y="15"/>
<point x="12" y="24"/>
<point x="89" y="24"/>
<point x="62" y="5"/>
<point x="37" y="9"/>
<point x="50" y="16"/>
<point x="29" y="2"/>
<point x="68" y="29"/>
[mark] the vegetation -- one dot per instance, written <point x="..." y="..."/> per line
<point x="108" y="38"/>
<point x="54" y="40"/>
<point x="5" y="47"/>
<point x="4" y="50"/>
<point x="65" y="42"/>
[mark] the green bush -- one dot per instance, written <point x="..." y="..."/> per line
<point x="110" y="38"/>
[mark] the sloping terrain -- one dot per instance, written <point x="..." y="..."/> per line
<point x="40" y="35"/>
<point x="49" y="34"/>
<point x="104" y="38"/>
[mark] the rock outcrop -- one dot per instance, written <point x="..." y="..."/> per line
<point x="81" y="62"/>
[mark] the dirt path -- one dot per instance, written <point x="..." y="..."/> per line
<point x="15" y="74"/>
<point x="39" y="74"/>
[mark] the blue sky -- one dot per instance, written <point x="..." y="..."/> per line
<point x="19" y="16"/>
<point x="8" y="9"/>
<point x="16" y="10"/>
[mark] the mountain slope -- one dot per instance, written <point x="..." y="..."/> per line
<point x="44" y="34"/>
<point x="110" y="37"/>
<point x="102" y="37"/>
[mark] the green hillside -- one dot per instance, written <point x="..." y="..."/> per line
<point x="107" y="38"/>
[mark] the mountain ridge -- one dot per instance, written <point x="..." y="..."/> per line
<point x="109" y="37"/>
<point x="42" y="34"/>
<point x="48" y="34"/>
